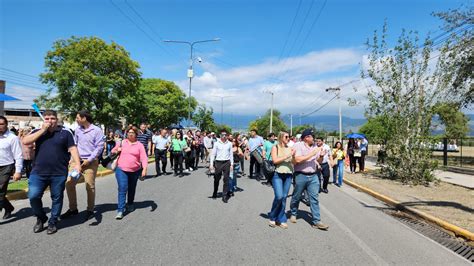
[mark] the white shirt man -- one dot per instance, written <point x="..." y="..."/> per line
<point x="11" y="163"/>
<point x="221" y="155"/>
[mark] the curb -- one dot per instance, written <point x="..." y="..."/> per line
<point x="458" y="231"/>
<point x="23" y="194"/>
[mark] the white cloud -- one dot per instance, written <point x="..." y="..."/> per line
<point x="299" y="84"/>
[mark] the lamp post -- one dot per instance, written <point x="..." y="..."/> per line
<point x="222" y="106"/>
<point x="190" y="70"/>
<point x="338" y="94"/>
<point x="271" y="110"/>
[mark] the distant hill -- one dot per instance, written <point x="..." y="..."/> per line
<point x="327" y="122"/>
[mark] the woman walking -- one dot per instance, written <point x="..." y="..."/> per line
<point x="282" y="157"/>
<point x="351" y="147"/>
<point x="131" y="165"/>
<point x="238" y="154"/>
<point x="178" y="144"/>
<point x="338" y="156"/>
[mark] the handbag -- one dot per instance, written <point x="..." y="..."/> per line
<point x="268" y="169"/>
<point x="114" y="162"/>
<point x="357" y="153"/>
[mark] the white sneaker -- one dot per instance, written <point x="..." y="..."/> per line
<point x="191" y="169"/>
<point x="186" y="170"/>
<point x="119" y="216"/>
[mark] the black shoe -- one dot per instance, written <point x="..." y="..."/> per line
<point x="175" y="174"/>
<point x="157" y="175"/>
<point x="325" y="190"/>
<point x="39" y="226"/>
<point x="214" y="195"/>
<point x="8" y="214"/>
<point x="225" y="199"/>
<point x="51" y="229"/>
<point x="231" y="194"/>
<point x="181" y="175"/>
<point x="89" y="215"/>
<point x="68" y="214"/>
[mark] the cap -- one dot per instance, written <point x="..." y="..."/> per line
<point x="307" y="132"/>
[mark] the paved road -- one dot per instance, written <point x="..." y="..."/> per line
<point x="177" y="223"/>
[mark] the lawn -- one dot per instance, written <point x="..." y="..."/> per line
<point x="17" y="186"/>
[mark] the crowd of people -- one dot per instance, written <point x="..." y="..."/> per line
<point x="56" y="157"/>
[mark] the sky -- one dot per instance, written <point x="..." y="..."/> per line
<point x="293" y="48"/>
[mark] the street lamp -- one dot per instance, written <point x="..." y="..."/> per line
<point x="222" y="105"/>
<point x="338" y="94"/>
<point x="190" y="70"/>
<point x="271" y="110"/>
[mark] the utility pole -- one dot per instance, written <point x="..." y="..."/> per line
<point x="338" y="94"/>
<point x="190" y="70"/>
<point x="271" y="110"/>
<point x="222" y="105"/>
<point x="291" y="124"/>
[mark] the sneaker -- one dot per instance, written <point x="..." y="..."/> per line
<point x="119" y="216"/>
<point x="272" y="224"/>
<point x="283" y="225"/>
<point x="51" y="229"/>
<point x="68" y="214"/>
<point x="191" y="169"/>
<point x="293" y="219"/>
<point x="186" y="170"/>
<point x="320" y="226"/>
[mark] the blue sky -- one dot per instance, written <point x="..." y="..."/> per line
<point x="245" y="63"/>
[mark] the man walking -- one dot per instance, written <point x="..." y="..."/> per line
<point x="89" y="139"/>
<point x="208" y="145"/>
<point x="326" y="164"/>
<point x="144" y="137"/>
<point x="54" y="147"/>
<point x="11" y="163"/>
<point x="224" y="161"/>
<point x="306" y="165"/>
<point x="255" y="146"/>
<point x="162" y="143"/>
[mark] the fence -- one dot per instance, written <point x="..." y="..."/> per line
<point x="448" y="152"/>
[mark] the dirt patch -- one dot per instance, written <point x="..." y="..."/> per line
<point x="451" y="203"/>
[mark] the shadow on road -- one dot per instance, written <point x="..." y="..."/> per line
<point x="440" y="204"/>
<point x="21" y="214"/>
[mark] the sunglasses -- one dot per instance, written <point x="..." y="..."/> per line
<point x="286" y="137"/>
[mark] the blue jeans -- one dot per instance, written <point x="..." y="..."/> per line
<point x="338" y="169"/>
<point x="127" y="182"/>
<point x="281" y="186"/>
<point x="311" y="184"/>
<point x="37" y="184"/>
<point x="233" y="177"/>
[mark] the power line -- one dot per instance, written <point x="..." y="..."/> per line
<point x="138" y="26"/>
<point x="321" y="107"/>
<point x="20" y="80"/>
<point x="26" y="85"/>
<point x="20" y="73"/>
<point x="290" y="30"/>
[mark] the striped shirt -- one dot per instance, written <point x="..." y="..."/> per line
<point x="144" y="138"/>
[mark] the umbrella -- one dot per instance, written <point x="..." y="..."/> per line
<point x="356" y="136"/>
<point x="4" y="98"/>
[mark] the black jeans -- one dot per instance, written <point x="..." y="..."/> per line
<point x="222" y="168"/>
<point x="189" y="159"/>
<point x="325" y="175"/>
<point x="178" y="162"/>
<point x="160" y="156"/>
<point x="352" y="162"/>
<point x="362" y="160"/>
<point x="254" y="163"/>
<point x="27" y="166"/>
<point x="5" y="173"/>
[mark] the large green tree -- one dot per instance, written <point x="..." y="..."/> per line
<point x="458" y="66"/>
<point x="87" y="73"/>
<point x="378" y="129"/>
<point x="203" y="118"/>
<point x="456" y="123"/>
<point x="262" y="125"/>
<point x="407" y="87"/>
<point x="163" y="103"/>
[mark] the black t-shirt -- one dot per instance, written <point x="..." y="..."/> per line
<point x="52" y="152"/>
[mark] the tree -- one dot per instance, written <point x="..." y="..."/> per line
<point x="164" y="103"/>
<point x="87" y="73"/>
<point x="262" y="125"/>
<point x="219" y="127"/>
<point x="407" y="88"/>
<point x="458" y="68"/>
<point x="455" y="122"/>
<point x="377" y="129"/>
<point x="203" y="118"/>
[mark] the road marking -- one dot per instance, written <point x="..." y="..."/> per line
<point x="376" y="258"/>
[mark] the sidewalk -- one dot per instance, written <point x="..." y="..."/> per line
<point x="464" y="180"/>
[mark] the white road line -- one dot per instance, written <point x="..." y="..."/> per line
<point x="376" y="258"/>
